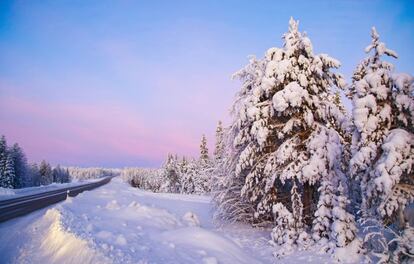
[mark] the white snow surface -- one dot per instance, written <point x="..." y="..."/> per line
<point x="120" y="224"/>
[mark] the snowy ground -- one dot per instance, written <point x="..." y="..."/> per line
<point x="13" y="193"/>
<point x="120" y="224"/>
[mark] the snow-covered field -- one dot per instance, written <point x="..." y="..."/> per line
<point x="120" y="224"/>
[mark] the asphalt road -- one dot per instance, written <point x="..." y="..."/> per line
<point x="22" y="205"/>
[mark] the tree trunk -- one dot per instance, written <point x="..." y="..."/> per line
<point x="307" y="203"/>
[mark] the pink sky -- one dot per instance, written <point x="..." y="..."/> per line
<point x="124" y="83"/>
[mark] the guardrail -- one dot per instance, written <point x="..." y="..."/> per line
<point x="22" y="205"/>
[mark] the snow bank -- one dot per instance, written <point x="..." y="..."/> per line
<point x="206" y="244"/>
<point x="120" y="224"/>
<point x="6" y="191"/>
<point x="61" y="246"/>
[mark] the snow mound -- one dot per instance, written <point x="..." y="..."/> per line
<point x="60" y="246"/>
<point x="350" y="253"/>
<point x="210" y="260"/>
<point x="191" y="219"/>
<point x="195" y="238"/>
<point x="6" y="191"/>
<point x="113" y="205"/>
<point x="151" y="216"/>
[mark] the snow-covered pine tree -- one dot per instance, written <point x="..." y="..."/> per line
<point x="230" y="175"/>
<point x="284" y="234"/>
<point x="8" y="173"/>
<point x="188" y="175"/>
<point x="34" y="175"/>
<point x="301" y="236"/>
<point x="297" y="207"/>
<point x="171" y="175"/>
<point x="3" y="159"/>
<point x="288" y="135"/>
<point x="343" y="226"/>
<point x="344" y="129"/>
<point x="201" y="175"/>
<point x="20" y="166"/>
<point x="392" y="177"/>
<point x="204" y="158"/>
<point x="372" y="105"/>
<point x="219" y="147"/>
<point x="383" y="138"/>
<point x="383" y="145"/>
<point x="182" y="166"/>
<point x="46" y="175"/>
<point x="203" y="180"/>
<point x="390" y="188"/>
<point x="60" y="175"/>
<point x="321" y="226"/>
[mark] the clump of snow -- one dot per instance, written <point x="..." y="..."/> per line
<point x="350" y="254"/>
<point x="210" y="260"/>
<point x="120" y="240"/>
<point x="6" y="191"/>
<point x="191" y="219"/>
<point x="113" y="205"/>
<point x="292" y="95"/>
<point x="104" y="234"/>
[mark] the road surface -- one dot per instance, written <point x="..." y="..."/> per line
<point x="22" y="205"/>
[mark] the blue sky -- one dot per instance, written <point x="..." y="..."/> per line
<point x="122" y="83"/>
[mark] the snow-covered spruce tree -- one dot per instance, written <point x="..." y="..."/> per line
<point x="204" y="150"/>
<point x="20" y="166"/>
<point x="171" y="175"/>
<point x="46" y="175"/>
<point x="202" y="183"/>
<point x="306" y="116"/>
<point x="188" y="175"/>
<point x="371" y="96"/>
<point x="297" y="207"/>
<point x="60" y="175"/>
<point x="289" y="120"/>
<point x="344" y="129"/>
<point x="3" y="158"/>
<point x="383" y="143"/>
<point x="230" y="174"/>
<point x="34" y="175"/>
<point x="283" y="234"/>
<point x="219" y="147"/>
<point x="289" y="229"/>
<point x="321" y="226"/>
<point x="301" y="236"/>
<point x="383" y="138"/>
<point x="8" y="173"/>
<point x="182" y="166"/>
<point x="343" y="226"/>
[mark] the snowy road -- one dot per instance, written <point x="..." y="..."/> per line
<point x="10" y="208"/>
<point x="120" y="224"/>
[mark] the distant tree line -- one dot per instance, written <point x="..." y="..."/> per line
<point x="16" y="172"/>
<point x="80" y="174"/>
<point x="180" y="175"/>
